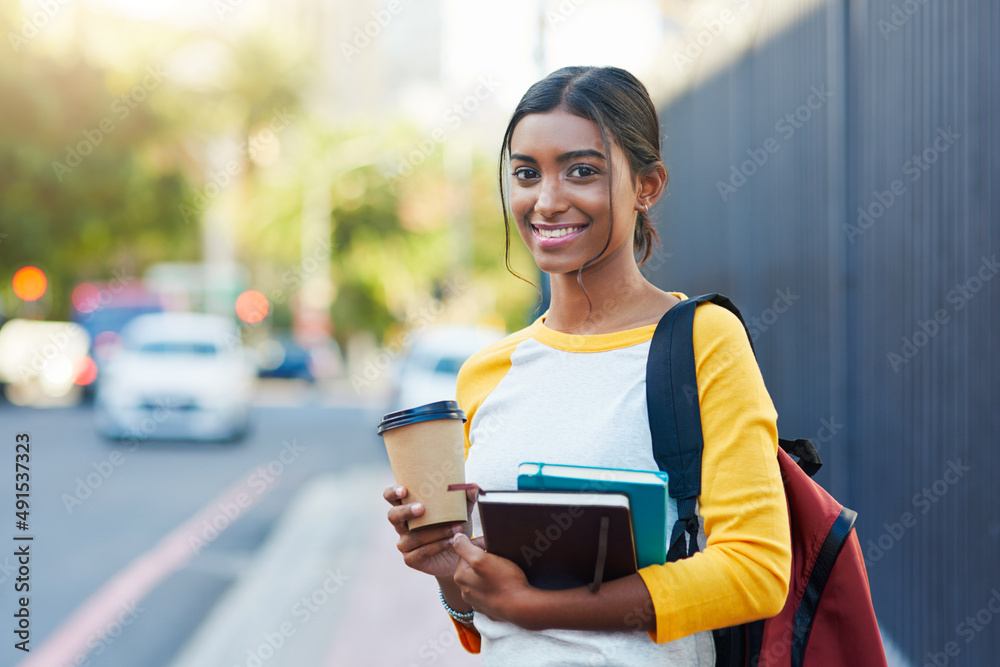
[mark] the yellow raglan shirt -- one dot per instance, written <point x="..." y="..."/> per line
<point x="543" y="395"/>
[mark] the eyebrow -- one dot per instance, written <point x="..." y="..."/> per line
<point x="571" y="155"/>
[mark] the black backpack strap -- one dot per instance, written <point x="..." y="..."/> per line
<point x="806" y="453"/>
<point x="675" y="417"/>
<point x="806" y="612"/>
<point x="671" y="388"/>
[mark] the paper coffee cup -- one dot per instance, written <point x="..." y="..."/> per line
<point x="426" y="450"/>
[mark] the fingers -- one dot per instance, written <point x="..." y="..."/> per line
<point x="400" y="514"/>
<point x="394" y="494"/>
<point x="411" y="540"/>
<point x="472" y="494"/>
<point x="417" y="556"/>
<point x="465" y="549"/>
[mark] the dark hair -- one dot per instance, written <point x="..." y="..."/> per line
<point x="620" y="106"/>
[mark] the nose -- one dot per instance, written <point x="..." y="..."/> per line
<point x="551" y="199"/>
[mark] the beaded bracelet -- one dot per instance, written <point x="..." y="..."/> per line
<point x="460" y="616"/>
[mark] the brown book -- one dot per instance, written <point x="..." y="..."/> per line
<point x="561" y="539"/>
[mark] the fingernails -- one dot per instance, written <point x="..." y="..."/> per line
<point x="417" y="507"/>
<point x="399" y="491"/>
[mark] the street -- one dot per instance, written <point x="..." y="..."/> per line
<point x="134" y="544"/>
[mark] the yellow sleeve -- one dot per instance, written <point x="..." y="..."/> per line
<point x="743" y="573"/>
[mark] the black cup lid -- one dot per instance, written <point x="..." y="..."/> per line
<point x="423" y="413"/>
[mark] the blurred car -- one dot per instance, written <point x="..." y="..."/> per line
<point x="103" y="310"/>
<point x="284" y="357"/>
<point x="44" y="363"/>
<point x="428" y="371"/>
<point x="178" y="376"/>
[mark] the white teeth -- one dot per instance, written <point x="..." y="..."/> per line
<point x="556" y="233"/>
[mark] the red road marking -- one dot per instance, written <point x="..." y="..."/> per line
<point x="98" y="613"/>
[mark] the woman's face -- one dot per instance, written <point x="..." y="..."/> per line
<point x="559" y="192"/>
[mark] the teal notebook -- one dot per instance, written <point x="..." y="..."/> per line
<point x="646" y="489"/>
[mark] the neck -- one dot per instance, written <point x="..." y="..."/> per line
<point x="619" y="298"/>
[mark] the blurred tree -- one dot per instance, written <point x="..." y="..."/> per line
<point x="83" y="194"/>
<point x="104" y="170"/>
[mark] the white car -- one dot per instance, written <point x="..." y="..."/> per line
<point x="178" y="376"/>
<point x="44" y="363"/>
<point x="428" y="371"/>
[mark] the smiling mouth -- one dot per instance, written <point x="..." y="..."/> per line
<point x="556" y="233"/>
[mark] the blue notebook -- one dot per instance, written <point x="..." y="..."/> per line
<point x="652" y="517"/>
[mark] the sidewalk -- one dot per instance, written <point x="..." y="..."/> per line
<point x="328" y="588"/>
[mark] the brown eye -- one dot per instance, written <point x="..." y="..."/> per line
<point x="583" y="171"/>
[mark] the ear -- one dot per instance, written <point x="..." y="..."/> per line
<point x="651" y="185"/>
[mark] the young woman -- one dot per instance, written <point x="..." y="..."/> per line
<point x="579" y="169"/>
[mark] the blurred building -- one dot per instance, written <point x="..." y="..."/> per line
<point x="367" y="56"/>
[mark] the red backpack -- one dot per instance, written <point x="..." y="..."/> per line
<point x="828" y="618"/>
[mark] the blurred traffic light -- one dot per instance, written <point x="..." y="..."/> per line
<point x="29" y="283"/>
<point x="252" y="306"/>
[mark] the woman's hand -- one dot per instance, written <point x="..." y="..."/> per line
<point x="429" y="549"/>
<point x="494" y="586"/>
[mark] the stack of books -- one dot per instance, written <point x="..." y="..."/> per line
<point x="569" y="526"/>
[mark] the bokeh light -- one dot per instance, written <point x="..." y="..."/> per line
<point x="86" y="298"/>
<point x="30" y="283"/>
<point x="252" y="306"/>
<point x="107" y="344"/>
<point x="86" y="371"/>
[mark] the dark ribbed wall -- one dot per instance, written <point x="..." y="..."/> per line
<point x="897" y="433"/>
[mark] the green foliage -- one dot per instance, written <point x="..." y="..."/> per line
<point x="103" y="172"/>
<point x="80" y="197"/>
